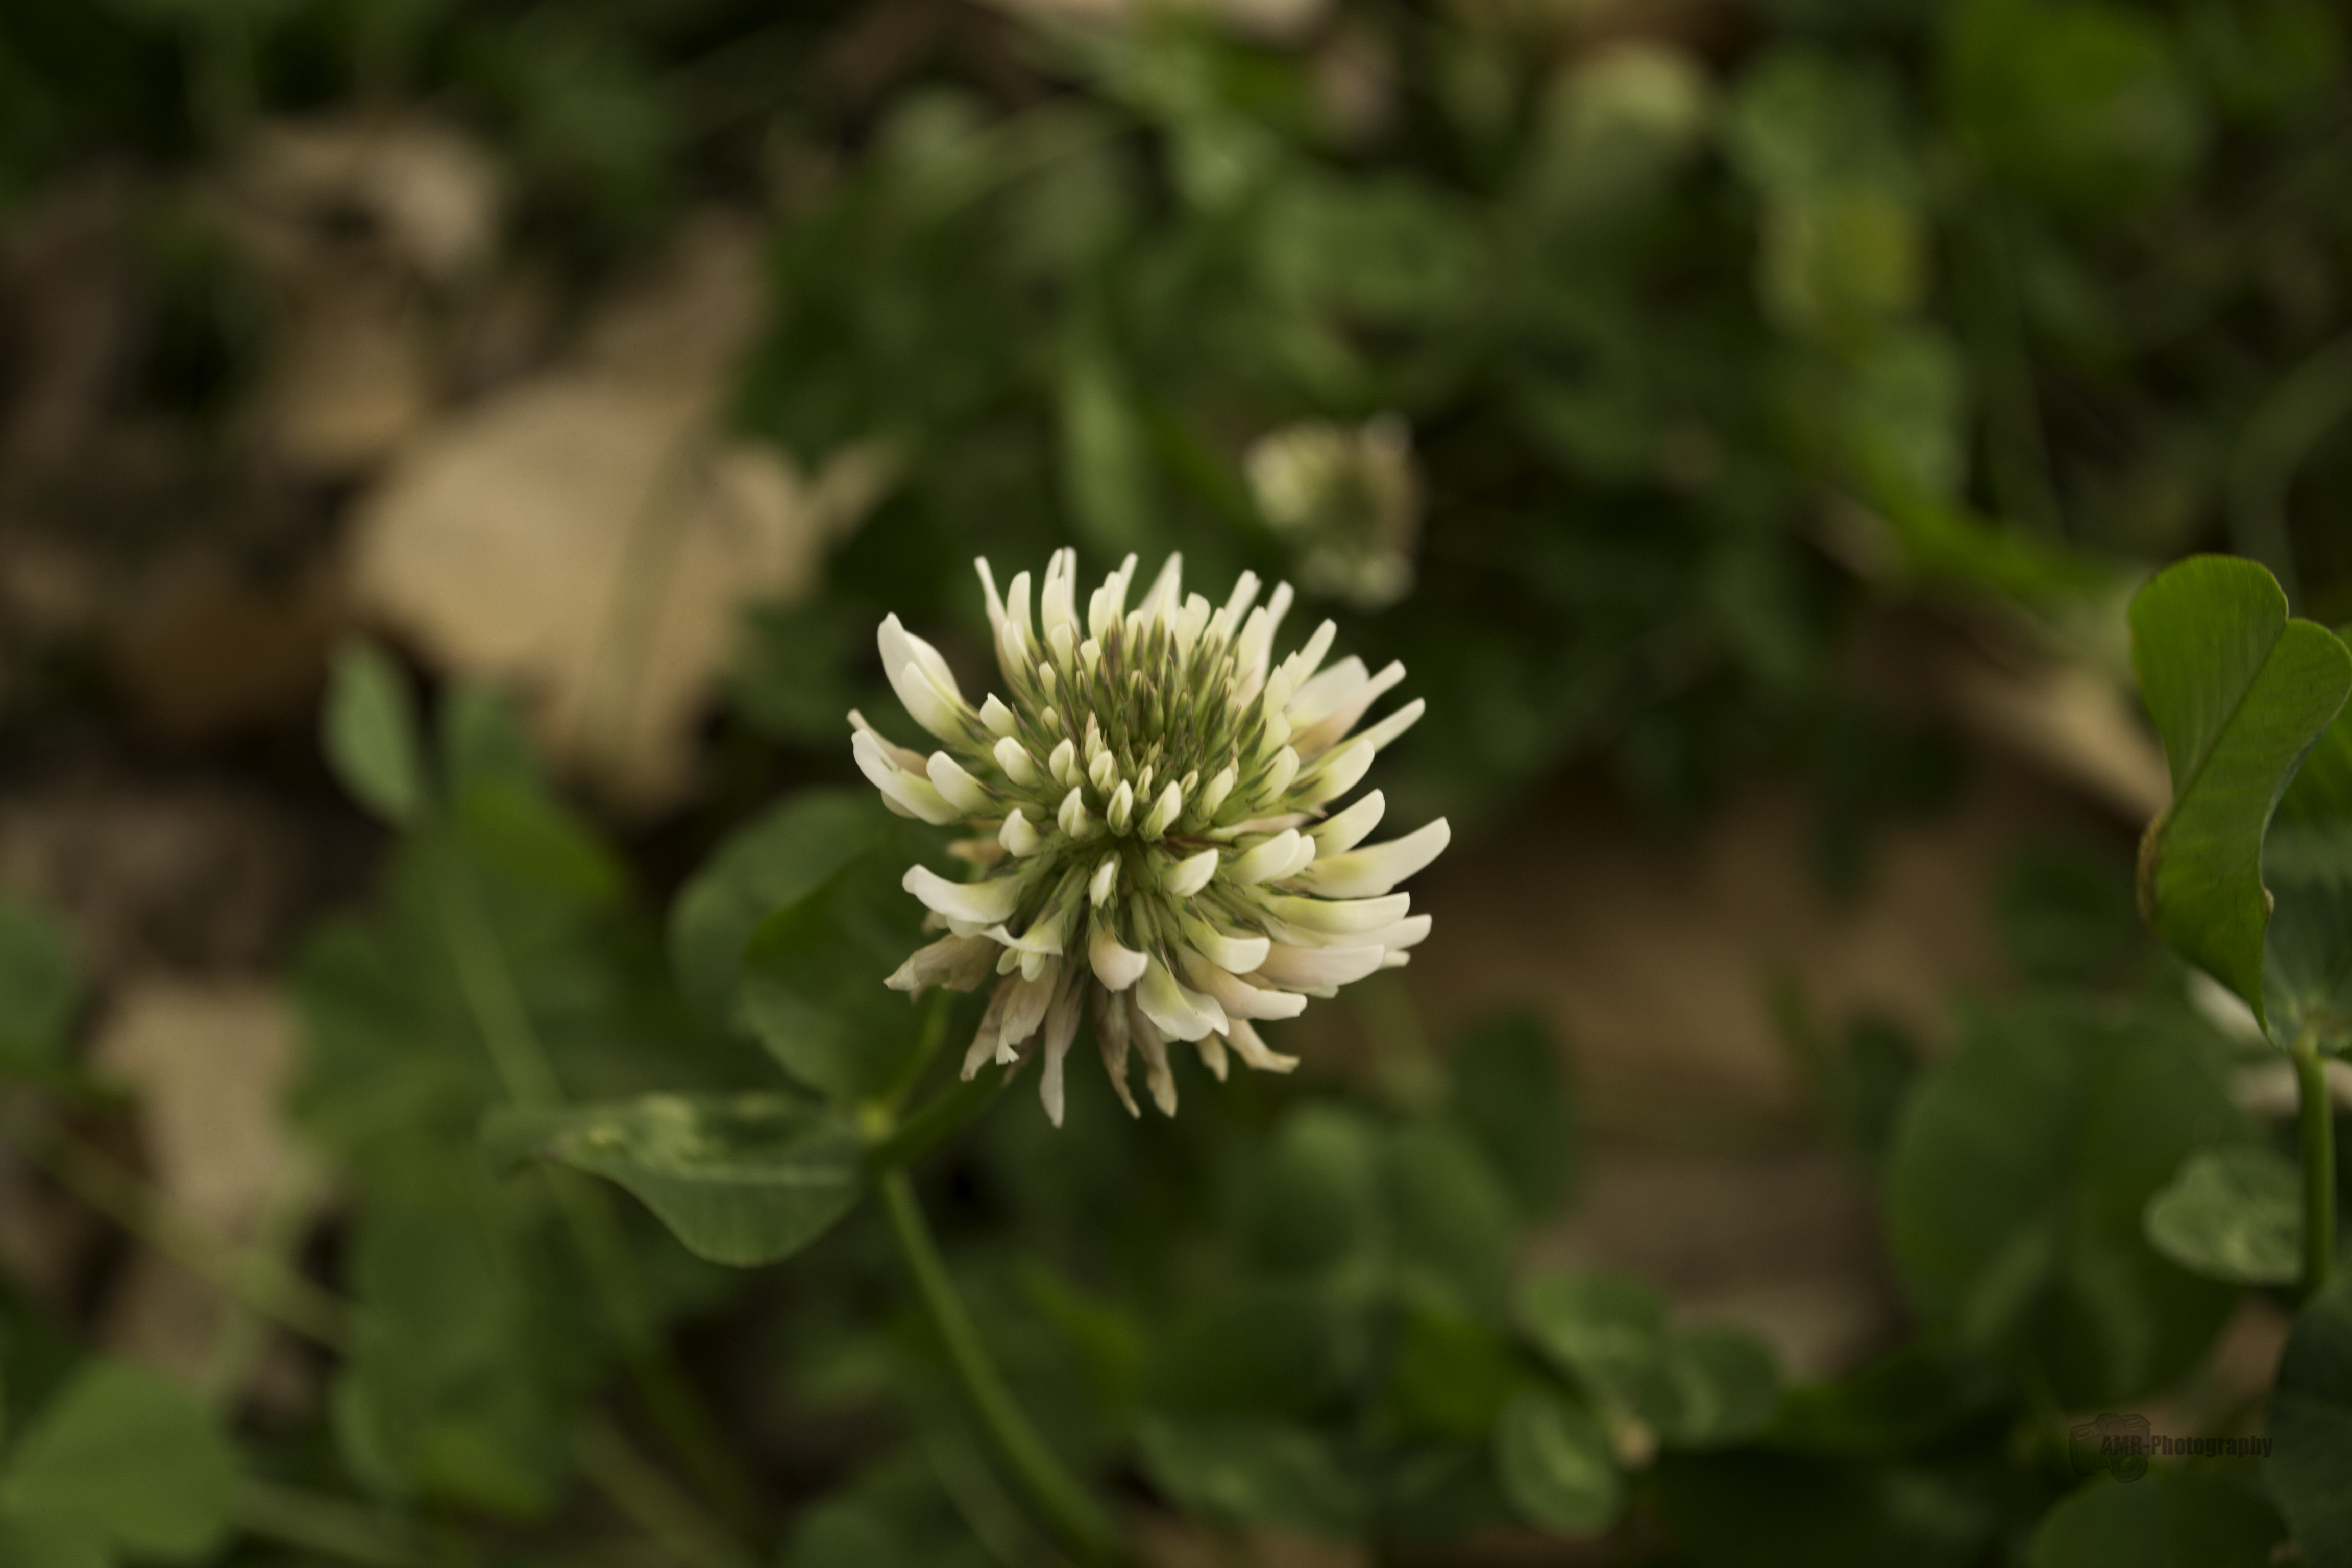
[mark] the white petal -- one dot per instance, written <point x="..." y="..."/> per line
<point x="983" y="1039"/>
<point x="1017" y="835"/>
<point x="1061" y="1030"/>
<point x="1317" y="697"/>
<point x="912" y="792"/>
<point x="1119" y="810"/>
<point x="1302" y="858"/>
<point x="1256" y="643"/>
<point x="1042" y="939"/>
<point x="959" y="787"/>
<point x="1238" y="997"/>
<point x="1338" y="772"/>
<point x="1171" y="802"/>
<point x="900" y="648"/>
<point x="1154" y="1048"/>
<point x="1213" y="796"/>
<point x="906" y="757"/>
<point x="1235" y="954"/>
<point x="1211" y="1048"/>
<point x="1346" y="829"/>
<point x="1346" y="916"/>
<point x="1409" y="932"/>
<point x="1278" y="776"/>
<point x="1282" y="823"/>
<point x="1245" y="1043"/>
<point x="1106" y="878"/>
<point x="1016" y="644"/>
<point x="1058" y="602"/>
<point x="1064" y="763"/>
<point x="1313" y="737"/>
<point x="1113" y="1028"/>
<point x="1180" y="1012"/>
<point x="979" y="903"/>
<point x="1187" y="876"/>
<point x="1265" y="862"/>
<point x="926" y="705"/>
<point x="1189" y="625"/>
<point x="1383" y="734"/>
<point x="1115" y="966"/>
<point x="1305" y="968"/>
<point x="1014" y="759"/>
<point x="1167" y="591"/>
<point x="1000" y="720"/>
<point x="995" y="602"/>
<point x="1300" y="667"/>
<point x="958" y="963"/>
<point x="1107" y="606"/>
<point x="926" y="686"/>
<point x="1244" y="594"/>
<point x="1025" y="1011"/>
<point x="1074" y="818"/>
<point x="1374" y="870"/>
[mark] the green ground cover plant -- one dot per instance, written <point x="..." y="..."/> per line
<point x="1618" y="383"/>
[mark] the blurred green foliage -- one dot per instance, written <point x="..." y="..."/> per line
<point x="1715" y="333"/>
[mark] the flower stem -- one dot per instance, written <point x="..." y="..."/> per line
<point x="327" y="1526"/>
<point x="1058" y="1496"/>
<point x="895" y="1145"/>
<point x="250" y="1277"/>
<point x="2319" y="1130"/>
<point x="529" y="1078"/>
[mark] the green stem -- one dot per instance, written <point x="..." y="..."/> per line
<point x="523" y="1068"/>
<point x="251" y="1278"/>
<point x="654" y="1503"/>
<point x="933" y="1035"/>
<point x="1058" y="1498"/>
<point x="285" y="1218"/>
<point x="327" y="1526"/>
<point x="2318" y="1129"/>
<point x="895" y="1146"/>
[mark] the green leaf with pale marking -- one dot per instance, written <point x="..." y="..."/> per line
<point x="1257" y="1470"/>
<point x="1696" y="1387"/>
<point x="741" y="1179"/>
<point x="369" y="732"/>
<point x="2240" y="692"/>
<point x="1553" y="1460"/>
<point x="2232" y="1214"/>
<point x="2170" y="1518"/>
<point x="125" y="1458"/>
<point x="2310" y="1422"/>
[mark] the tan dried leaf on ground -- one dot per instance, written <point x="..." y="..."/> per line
<point x="208" y="1062"/>
<point x="354" y="218"/>
<point x="429" y="190"/>
<point x="589" y="538"/>
<point x="352" y="376"/>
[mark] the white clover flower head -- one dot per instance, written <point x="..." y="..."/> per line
<point x="1347" y="498"/>
<point x="1153" y="798"/>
